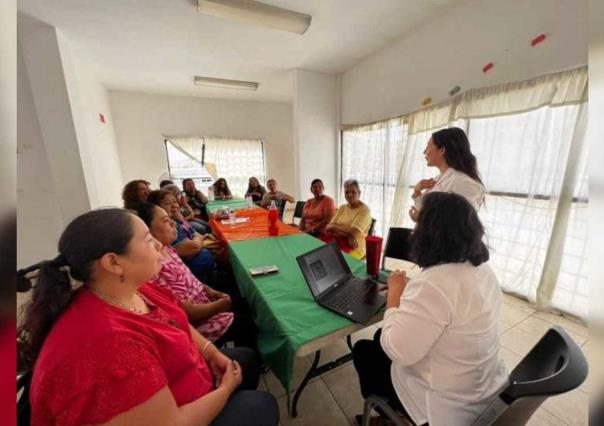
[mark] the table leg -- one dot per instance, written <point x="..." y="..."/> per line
<point x="309" y="375"/>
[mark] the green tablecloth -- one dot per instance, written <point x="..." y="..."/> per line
<point x="283" y="307"/>
<point x="235" y="203"/>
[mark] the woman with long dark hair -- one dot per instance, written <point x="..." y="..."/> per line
<point x="449" y="151"/>
<point x="436" y="357"/>
<point x="221" y="190"/>
<point x="255" y="190"/>
<point x="118" y="349"/>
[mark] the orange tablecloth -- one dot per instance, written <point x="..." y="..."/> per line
<point x="256" y="228"/>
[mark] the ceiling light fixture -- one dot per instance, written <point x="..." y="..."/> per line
<point x="257" y="13"/>
<point x="226" y="84"/>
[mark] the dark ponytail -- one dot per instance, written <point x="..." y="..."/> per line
<point x="85" y="240"/>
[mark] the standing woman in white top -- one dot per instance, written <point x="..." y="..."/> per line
<point x="436" y="358"/>
<point x="449" y="151"/>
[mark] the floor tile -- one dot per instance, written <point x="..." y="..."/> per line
<point x="344" y="386"/>
<point x="512" y="314"/>
<point x="316" y="407"/>
<point x="568" y="324"/>
<point x="510" y="359"/>
<point x="544" y="418"/>
<point x="571" y="407"/>
<point x="301" y="366"/>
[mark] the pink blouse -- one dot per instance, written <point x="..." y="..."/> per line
<point x="178" y="278"/>
<point x="314" y="215"/>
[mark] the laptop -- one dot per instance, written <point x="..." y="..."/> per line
<point x="334" y="287"/>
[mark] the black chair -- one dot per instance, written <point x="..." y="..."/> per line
<point x="554" y="366"/>
<point x="23" y="406"/>
<point x="398" y="245"/>
<point x="281" y="209"/>
<point x="372" y="227"/>
<point x="298" y="211"/>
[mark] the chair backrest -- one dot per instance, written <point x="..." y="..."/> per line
<point x="23" y="407"/>
<point x="555" y="365"/>
<point x="298" y="210"/>
<point x="372" y="227"/>
<point x="281" y="209"/>
<point x="398" y="244"/>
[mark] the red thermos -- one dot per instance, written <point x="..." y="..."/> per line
<point x="273" y="220"/>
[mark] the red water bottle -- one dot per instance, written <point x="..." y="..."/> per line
<point x="273" y="219"/>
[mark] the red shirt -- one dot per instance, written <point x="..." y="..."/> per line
<point x="100" y="360"/>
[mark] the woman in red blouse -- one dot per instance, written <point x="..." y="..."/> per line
<point x="118" y="350"/>
<point x="318" y="210"/>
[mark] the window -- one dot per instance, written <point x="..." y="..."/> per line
<point x="206" y="159"/>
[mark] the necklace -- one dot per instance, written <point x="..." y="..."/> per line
<point x="115" y="302"/>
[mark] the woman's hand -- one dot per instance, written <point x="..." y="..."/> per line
<point x="423" y="184"/>
<point x="217" y="361"/>
<point x="413" y="214"/>
<point x="223" y="305"/>
<point x="231" y="379"/>
<point x="397" y="281"/>
<point x="214" y="295"/>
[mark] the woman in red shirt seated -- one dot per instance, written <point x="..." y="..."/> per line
<point x="118" y="350"/>
<point x="318" y="210"/>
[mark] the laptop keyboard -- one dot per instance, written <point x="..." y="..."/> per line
<point x="353" y="294"/>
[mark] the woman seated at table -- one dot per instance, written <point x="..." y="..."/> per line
<point x="216" y="315"/>
<point x="195" y="198"/>
<point x="255" y="190"/>
<point x="318" y="210"/>
<point x="119" y="350"/>
<point x="351" y="223"/>
<point x="186" y="211"/>
<point x="135" y="191"/>
<point x="221" y="190"/>
<point x="436" y="357"/>
<point x="189" y="245"/>
<point x="280" y="198"/>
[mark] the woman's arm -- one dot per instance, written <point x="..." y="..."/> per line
<point x="188" y="248"/>
<point x="201" y="197"/>
<point x="199" y="312"/>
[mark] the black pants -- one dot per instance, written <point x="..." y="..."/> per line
<point x="373" y="367"/>
<point x="242" y="331"/>
<point x="246" y="405"/>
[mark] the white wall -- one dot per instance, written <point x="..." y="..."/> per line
<point x="39" y="219"/>
<point x="142" y="120"/>
<point x="451" y="50"/>
<point x="315" y="130"/>
<point x="96" y="140"/>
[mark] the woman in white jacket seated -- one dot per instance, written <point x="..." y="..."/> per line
<point x="436" y="357"/>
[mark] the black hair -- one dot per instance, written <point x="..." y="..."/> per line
<point x="457" y="151"/>
<point x="261" y="188"/>
<point x="316" y="181"/>
<point x="85" y="240"/>
<point x="447" y="231"/>
<point x="165" y="182"/>
<point x="146" y="211"/>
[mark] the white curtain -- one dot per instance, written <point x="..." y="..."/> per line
<point x="372" y="155"/>
<point x="528" y="140"/>
<point x="236" y="160"/>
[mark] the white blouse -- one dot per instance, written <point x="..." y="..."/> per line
<point x="443" y="341"/>
<point x="458" y="182"/>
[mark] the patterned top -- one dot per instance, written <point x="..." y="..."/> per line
<point x="178" y="278"/>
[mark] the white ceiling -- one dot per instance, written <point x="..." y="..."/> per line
<point x="157" y="46"/>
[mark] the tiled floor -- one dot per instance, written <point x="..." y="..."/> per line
<point x="334" y="398"/>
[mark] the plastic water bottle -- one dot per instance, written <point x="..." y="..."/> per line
<point x="232" y="218"/>
<point x="273" y="219"/>
<point x="210" y="193"/>
<point x="249" y="201"/>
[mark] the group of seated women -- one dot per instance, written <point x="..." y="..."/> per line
<point x="140" y="340"/>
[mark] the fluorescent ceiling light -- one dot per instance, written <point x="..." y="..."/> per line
<point x="257" y="13"/>
<point x="226" y="84"/>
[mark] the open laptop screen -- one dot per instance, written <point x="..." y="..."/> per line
<point x="323" y="267"/>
